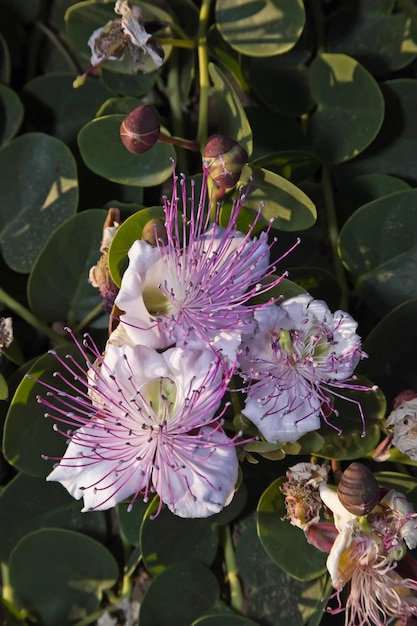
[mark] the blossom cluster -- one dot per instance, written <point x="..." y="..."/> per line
<point x="193" y="311"/>
<point x="367" y="553"/>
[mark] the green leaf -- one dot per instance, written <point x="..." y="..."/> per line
<point x="125" y="236"/>
<point x="5" y="65"/>
<point x="4" y="389"/>
<point x="404" y="483"/>
<point x="231" y="114"/>
<point x="283" y="204"/>
<point x="11" y="114"/>
<point x="350" y="108"/>
<point x="353" y="33"/>
<point x="350" y="444"/>
<point x="25" y="421"/>
<point x="28" y="504"/>
<point x="166" y="539"/>
<point x="62" y="269"/>
<point x="394" y="149"/>
<point x="130" y="520"/>
<point x="294" y="165"/>
<point x="319" y="283"/>
<point x="178" y="596"/>
<point x="285" y="544"/>
<point x="224" y="620"/>
<point x="391" y="348"/>
<point x="379" y="244"/>
<point x="40" y="191"/>
<point x="104" y="153"/>
<point x="58" y="575"/>
<point x="59" y="109"/>
<point x="272" y="596"/>
<point x="260" y="29"/>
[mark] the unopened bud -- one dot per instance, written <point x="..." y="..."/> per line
<point x="224" y="159"/>
<point x="154" y="232"/>
<point x="139" y="131"/>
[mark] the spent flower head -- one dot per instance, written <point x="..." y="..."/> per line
<point x="296" y="356"/>
<point x="145" y="424"/>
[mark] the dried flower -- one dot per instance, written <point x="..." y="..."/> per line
<point x="145" y="424"/>
<point x="6" y="332"/>
<point x="403" y="420"/>
<point x="298" y="354"/>
<point x="302" y="497"/>
<point x="99" y="275"/>
<point x="199" y="283"/>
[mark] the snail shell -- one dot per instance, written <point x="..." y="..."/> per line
<point x="358" y="490"/>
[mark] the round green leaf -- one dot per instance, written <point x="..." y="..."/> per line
<point x="260" y="29"/>
<point x="104" y="153"/>
<point x="231" y="114"/>
<point x="127" y="233"/>
<point x="133" y="85"/>
<point x="58" y="575"/>
<point x="62" y="269"/>
<point x="167" y="539"/>
<point x="272" y="596"/>
<point x="285" y="544"/>
<point x="178" y="596"/>
<point x="294" y="165"/>
<point x="130" y="520"/>
<point x="350" y="444"/>
<point x="28" y="504"/>
<point x="391" y="348"/>
<point x="283" y="204"/>
<point x="25" y="421"/>
<point x="404" y="483"/>
<point x="353" y="32"/>
<point x="394" y="149"/>
<point x="83" y="18"/>
<point x="58" y="108"/>
<point x="39" y="191"/>
<point x="4" y="389"/>
<point x="11" y="114"/>
<point x="350" y="107"/>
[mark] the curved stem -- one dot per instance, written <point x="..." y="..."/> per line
<point x="191" y="44"/>
<point x="326" y="183"/>
<point x="203" y="72"/>
<point x="236" y="595"/>
<point x="31" y="319"/>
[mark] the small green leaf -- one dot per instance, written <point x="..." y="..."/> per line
<point x="350" y="107"/>
<point x="231" y="114"/>
<point x="285" y="544"/>
<point x="11" y="114"/>
<point x="166" y="539"/>
<point x="62" y="269"/>
<point x="125" y="236"/>
<point x="28" y="504"/>
<point x="188" y="589"/>
<point x="39" y="186"/>
<point x="281" y="202"/>
<point x="104" y="153"/>
<point x="260" y="29"/>
<point x="58" y="575"/>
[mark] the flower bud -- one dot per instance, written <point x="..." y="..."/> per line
<point x="154" y="231"/>
<point x="224" y="159"/>
<point x="139" y="131"/>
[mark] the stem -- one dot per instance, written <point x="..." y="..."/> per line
<point x="202" y="129"/>
<point x="326" y="183"/>
<point x="190" y="44"/>
<point x="26" y="315"/>
<point x="236" y="595"/>
<point x="178" y="141"/>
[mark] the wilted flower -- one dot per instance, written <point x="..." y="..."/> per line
<point x="365" y="554"/>
<point x="146" y="424"/>
<point x="99" y="275"/>
<point x="302" y="497"/>
<point x="124" y="36"/>
<point x="403" y="420"/>
<point x="298" y="354"/>
<point x="6" y="332"/>
<point x="198" y="283"/>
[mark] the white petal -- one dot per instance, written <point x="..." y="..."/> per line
<point x="342" y="516"/>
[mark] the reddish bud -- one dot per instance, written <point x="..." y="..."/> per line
<point x="154" y="231"/>
<point x="139" y="131"/>
<point x="224" y="159"/>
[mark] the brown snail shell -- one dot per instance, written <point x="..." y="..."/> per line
<point x="358" y="490"/>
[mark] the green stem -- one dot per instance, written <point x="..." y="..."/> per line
<point x="202" y="129"/>
<point x="26" y="315"/>
<point x="236" y="595"/>
<point x="327" y="188"/>
<point x="190" y="44"/>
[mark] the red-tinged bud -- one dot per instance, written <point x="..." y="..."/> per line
<point x="224" y="159"/>
<point x="139" y="131"/>
<point x="154" y="232"/>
